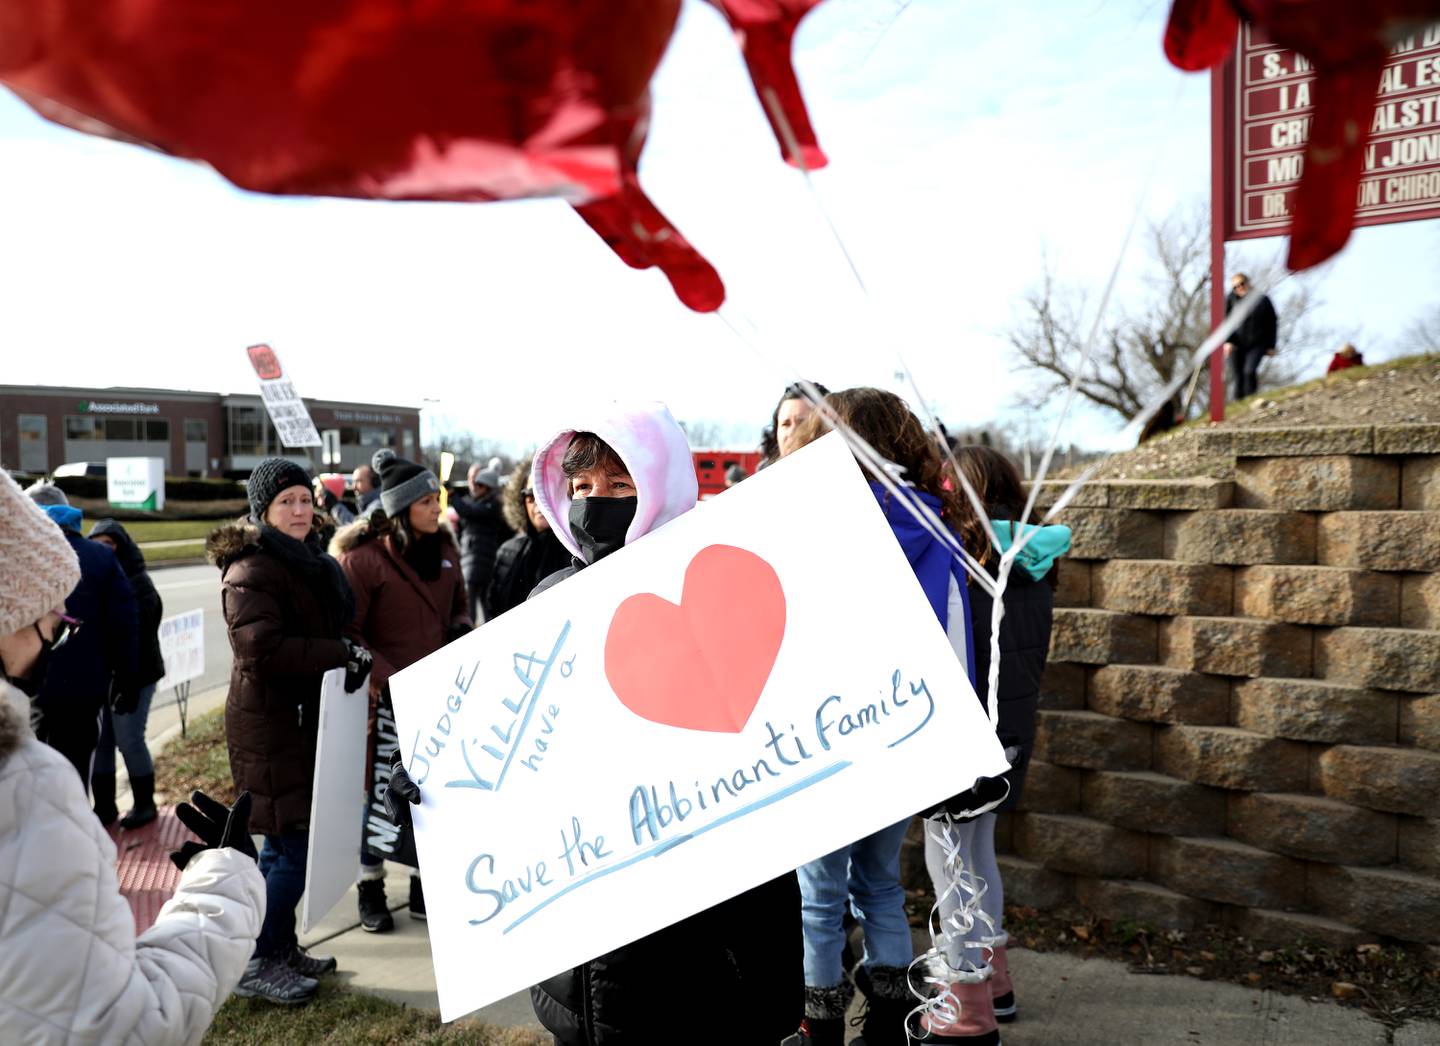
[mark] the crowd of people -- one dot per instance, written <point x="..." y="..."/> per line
<point x="373" y="579"/>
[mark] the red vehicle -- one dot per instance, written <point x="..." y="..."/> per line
<point x="711" y="465"/>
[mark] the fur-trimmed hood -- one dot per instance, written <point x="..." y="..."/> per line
<point x="14" y="719"/>
<point x="232" y="541"/>
<point x="351" y="536"/>
<point x="512" y="497"/>
<point x="367" y="528"/>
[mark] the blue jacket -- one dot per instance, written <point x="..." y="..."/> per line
<point x="107" y="644"/>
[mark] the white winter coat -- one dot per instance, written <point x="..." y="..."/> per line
<point x="71" y="968"/>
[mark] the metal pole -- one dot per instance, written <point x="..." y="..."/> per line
<point x="1218" y="213"/>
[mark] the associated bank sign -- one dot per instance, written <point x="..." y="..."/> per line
<point x="102" y="407"/>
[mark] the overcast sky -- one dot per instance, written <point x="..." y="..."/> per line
<point x="965" y="139"/>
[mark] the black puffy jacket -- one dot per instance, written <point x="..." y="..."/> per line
<point x="148" y="605"/>
<point x="731" y="974"/>
<point x="1024" y="647"/>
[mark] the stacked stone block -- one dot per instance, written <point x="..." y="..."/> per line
<point x="1240" y="721"/>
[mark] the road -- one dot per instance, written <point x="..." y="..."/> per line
<point x="189" y="588"/>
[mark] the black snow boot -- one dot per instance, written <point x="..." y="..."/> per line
<point x="824" y="1023"/>
<point x="142" y="789"/>
<point x="102" y="787"/>
<point x="888" y="1003"/>
<point x="375" y="914"/>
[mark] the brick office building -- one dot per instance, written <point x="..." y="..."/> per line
<point x="195" y="433"/>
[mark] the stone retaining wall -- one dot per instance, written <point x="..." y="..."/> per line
<point x="1241" y="718"/>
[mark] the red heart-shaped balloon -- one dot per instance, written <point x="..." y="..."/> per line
<point x="701" y="665"/>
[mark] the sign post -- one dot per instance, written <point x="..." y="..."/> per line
<point x="286" y="408"/>
<point x="182" y="645"/>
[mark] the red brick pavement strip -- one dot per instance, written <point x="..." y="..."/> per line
<point x="147" y="875"/>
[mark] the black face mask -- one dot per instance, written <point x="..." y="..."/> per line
<point x="599" y="525"/>
<point x="35" y="679"/>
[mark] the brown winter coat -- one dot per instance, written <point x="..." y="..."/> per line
<point x="399" y="616"/>
<point x="285" y="631"/>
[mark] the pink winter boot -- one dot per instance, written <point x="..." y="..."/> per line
<point x="1002" y="990"/>
<point x="974" y="1025"/>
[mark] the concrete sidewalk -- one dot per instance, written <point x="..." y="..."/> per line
<point x="1064" y="1000"/>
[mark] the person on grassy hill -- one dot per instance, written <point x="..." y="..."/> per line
<point x="100" y="664"/>
<point x="532" y="555"/>
<point x="979" y="961"/>
<point x="865" y="875"/>
<point x="123" y="724"/>
<point x="410" y="600"/>
<point x="1252" y="340"/>
<point x="286" y="604"/>
<point x="1348" y="356"/>
<point x="732" y="973"/>
<point x="71" y="966"/>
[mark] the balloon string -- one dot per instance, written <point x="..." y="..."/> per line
<point x="951" y="936"/>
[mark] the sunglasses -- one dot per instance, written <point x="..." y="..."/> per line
<point x="67" y="627"/>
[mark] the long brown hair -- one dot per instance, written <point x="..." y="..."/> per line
<point x="883" y="420"/>
<point x="997" y="481"/>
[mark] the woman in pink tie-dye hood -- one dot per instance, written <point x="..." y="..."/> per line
<point x="613" y="477"/>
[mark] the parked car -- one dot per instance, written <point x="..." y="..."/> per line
<point x="81" y="468"/>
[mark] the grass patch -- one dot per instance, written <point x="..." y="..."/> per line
<point x="338" y="1015"/>
<point x="143" y="530"/>
<point x="168" y="553"/>
<point x="199" y="760"/>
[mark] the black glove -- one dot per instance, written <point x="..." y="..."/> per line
<point x="357" y="666"/>
<point x="124" y="698"/>
<point x="971" y="803"/>
<point x="400" y="795"/>
<point x="217" y="825"/>
<point x="458" y="630"/>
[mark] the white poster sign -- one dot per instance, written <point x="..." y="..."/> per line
<point x="748" y="688"/>
<point x="287" y="410"/>
<point x="338" y="798"/>
<point x="182" y="645"/>
<point x="135" y="483"/>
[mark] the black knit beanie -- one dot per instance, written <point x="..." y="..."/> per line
<point x="402" y="483"/>
<point x="270" y="477"/>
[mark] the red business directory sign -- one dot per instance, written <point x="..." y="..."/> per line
<point x="1269" y="98"/>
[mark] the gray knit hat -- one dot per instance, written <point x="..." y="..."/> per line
<point x="43" y="494"/>
<point x="268" y="479"/>
<point x="38" y="568"/>
<point x="402" y="483"/>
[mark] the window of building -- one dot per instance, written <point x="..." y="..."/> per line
<point x="197" y="430"/>
<point x="374" y="438"/>
<point x="118" y="429"/>
<point x="247" y="431"/>
<point x="79" y="426"/>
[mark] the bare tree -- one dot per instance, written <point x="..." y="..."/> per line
<point x="1154" y="336"/>
<point x="1423" y="334"/>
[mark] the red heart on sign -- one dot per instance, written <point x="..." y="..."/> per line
<point x="701" y="665"/>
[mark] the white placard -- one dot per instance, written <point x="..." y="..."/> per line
<point x="287" y="410"/>
<point x="337" y="801"/>
<point x="182" y="645"/>
<point x="135" y="483"/>
<point x="557" y="823"/>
